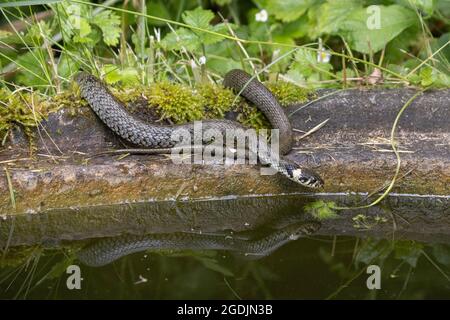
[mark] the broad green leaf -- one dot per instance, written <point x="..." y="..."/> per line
<point x="208" y="38"/>
<point x="384" y="25"/>
<point x="34" y="68"/>
<point x="426" y="6"/>
<point x="396" y="48"/>
<point x="157" y="9"/>
<point x="126" y="75"/>
<point x="432" y="77"/>
<point x="181" y="38"/>
<point x="67" y="66"/>
<point x="332" y="13"/>
<point x="109" y="23"/>
<point x="295" y="29"/>
<point x="305" y="62"/>
<point x="198" y="18"/>
<point x="222" y="65"/>
<point x="426" y="75"/>
<point x="288" y="10"/>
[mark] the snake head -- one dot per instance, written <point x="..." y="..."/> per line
<point x="304" y="176"/>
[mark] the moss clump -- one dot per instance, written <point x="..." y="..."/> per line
<point x="22" y="109"/>
<point x="128" y="95"/>
<point x="288" y="93"/>
<point x="176" y="102"/>
<point x="216" y="100"/>
<point x="69" y="100"/>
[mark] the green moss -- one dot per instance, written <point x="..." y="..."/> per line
<point x="22" y="109"/>
<point x="288" y="93"/>
<point x="70" y="100"/>
<point x="128" y="95"/>
<point x="216" y="100"/>
<point x="176" y="102"/>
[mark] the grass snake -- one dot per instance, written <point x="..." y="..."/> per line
<point x="112" y="112"/>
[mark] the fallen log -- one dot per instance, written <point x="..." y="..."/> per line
<point x="352" y="153"/>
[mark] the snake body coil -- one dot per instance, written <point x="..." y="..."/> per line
<point x="111" y="111"/>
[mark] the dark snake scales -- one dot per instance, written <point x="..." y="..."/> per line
<point x="107" y="250"/>
<point x="112" y="112"/>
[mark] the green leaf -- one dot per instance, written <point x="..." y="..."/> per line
<point x="426" y="6"/>
<point x="84" y="31"/>
<point x="304" y="60"/>
<point x="288" y="10"/>
<point x="222" y="65"/>
<point x="295" y="29"/>
<point x="67" y="66"/>
<point x="332" y="13"/>
<point x="109" y="23"/>
<point x="198" y="18"/>
<point x="114" y="74"/>
<point x="208" y="38"/>
<point x="392" y="21"/>
<point x="181" y="38"/>
<point x="193" y="39"/>
<point x="34" y="64"/>
<point x="426" y="74"/>
<point x="157" y="9"/>
<point x="305" y="67"/>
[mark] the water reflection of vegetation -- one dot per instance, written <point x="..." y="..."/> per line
<point x="308" y="268"/>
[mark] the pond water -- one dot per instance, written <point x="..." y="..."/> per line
<point x="248" y="248"/>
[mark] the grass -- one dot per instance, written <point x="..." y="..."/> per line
<point x="142" y="34"/>
<point x="11" y="189"/>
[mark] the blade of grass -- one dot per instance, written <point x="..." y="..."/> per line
<point x="11" y="189"/>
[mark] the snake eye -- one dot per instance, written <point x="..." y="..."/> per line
<point x="303" y="180"/>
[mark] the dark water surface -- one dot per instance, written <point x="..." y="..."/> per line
<point x="405" y="237"/>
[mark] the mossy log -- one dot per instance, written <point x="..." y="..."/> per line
<point x="351" y="152"/>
